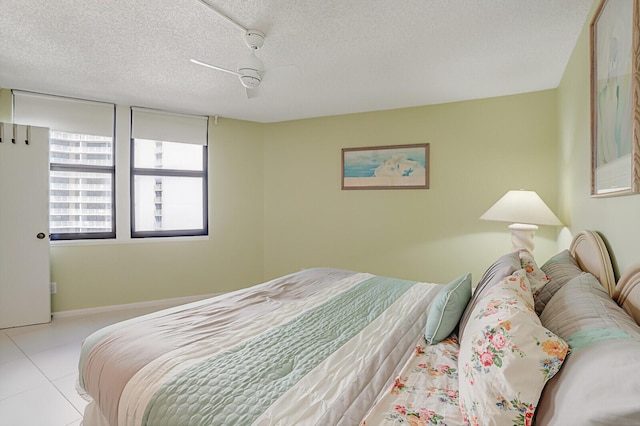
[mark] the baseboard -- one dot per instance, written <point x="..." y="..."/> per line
<point x="159" y="304"/>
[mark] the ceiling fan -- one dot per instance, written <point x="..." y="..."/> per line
<point x="250" y="68"/>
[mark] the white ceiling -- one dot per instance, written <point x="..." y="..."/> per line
<point x="322" y="57"/>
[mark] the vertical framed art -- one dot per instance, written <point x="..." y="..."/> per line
<point x="386" y="167"/>
<point x="615" y="98"/>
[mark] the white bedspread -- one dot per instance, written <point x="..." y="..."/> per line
<point x="170" y="366"/>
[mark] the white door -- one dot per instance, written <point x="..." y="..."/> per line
<point x="24" y="226"/>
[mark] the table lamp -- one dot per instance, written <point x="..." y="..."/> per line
<point x="526" y="210"/>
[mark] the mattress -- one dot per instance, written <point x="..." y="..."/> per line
<point x="315" y="347"/>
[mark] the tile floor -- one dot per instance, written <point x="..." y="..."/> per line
<point x="38" y="369"/>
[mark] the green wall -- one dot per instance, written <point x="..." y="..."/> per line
<point x="98" y="275"/>
<point x="108" y="274"/>
<point x="617" y="218"/>
<point x="479" y="150"/>
<point x="276" y="205"/>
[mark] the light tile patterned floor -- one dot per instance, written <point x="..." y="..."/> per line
<point x="38" y="369"/>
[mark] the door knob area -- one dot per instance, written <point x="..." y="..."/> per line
<point x="40" y="235"/>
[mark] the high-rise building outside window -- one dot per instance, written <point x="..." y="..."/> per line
<point x="169" y="180"/>
<point x="81" y="185"/>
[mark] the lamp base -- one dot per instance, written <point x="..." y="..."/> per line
<point x="522" y="236"/>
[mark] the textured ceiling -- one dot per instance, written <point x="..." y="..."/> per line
<point x="322" y="57"/>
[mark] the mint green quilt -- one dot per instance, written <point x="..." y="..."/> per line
<point x="315" y="347"/>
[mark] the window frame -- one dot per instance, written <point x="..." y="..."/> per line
<point x="67" y="236"/>
<point x="87" y="168"/>
<point x="144" y="171"/>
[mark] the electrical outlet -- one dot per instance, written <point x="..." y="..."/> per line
<point x="54" y="288"/>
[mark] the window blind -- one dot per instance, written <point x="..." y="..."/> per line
<point x="168" y="127"/>
<point x="63" y="114"/>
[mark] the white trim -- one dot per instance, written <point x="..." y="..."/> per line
<point x="159" y="304"/>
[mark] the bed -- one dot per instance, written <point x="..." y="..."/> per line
<point x="333" y="347"/>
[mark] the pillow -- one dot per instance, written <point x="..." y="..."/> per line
<point x="503" y="267"/>
<point x="447" y="308"/>
<point x="560" y="269"/>
<point x="594" y="385"/>
<point x="507" y="356"/>
<point x="597" y="385"/>
<point x="537" y="277"/>
<point x="582" y="306"/>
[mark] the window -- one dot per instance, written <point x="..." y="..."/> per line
<point x="81" y="157"/>
<point x="164" y="174"/>
<point x="81" y="186"/>
<point x="168" y="174"/>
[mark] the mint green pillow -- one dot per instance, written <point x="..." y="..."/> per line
<point x="447" y="308"/>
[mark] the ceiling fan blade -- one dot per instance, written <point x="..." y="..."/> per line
<point x="224" y="16"/>
<point x="204" y="64"/>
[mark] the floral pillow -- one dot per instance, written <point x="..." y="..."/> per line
<point x="503" y="267"/>
<point x="537" y="277"/>
<point x="506" y="356"/>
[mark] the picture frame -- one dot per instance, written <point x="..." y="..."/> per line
<point x="615" y="98"/>
<point x="386" y="167"/>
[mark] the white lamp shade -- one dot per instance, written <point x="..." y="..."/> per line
<point x="524" y="207"/>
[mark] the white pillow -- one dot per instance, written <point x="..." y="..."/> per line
<point x="506" y="356"/>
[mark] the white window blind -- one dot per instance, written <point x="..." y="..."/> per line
<point x="169" y="127"/>
<point x="63" y="114"/>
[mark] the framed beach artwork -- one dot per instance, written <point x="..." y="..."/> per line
<point x="386" y="167"/>
<point x="615" y="98"/>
